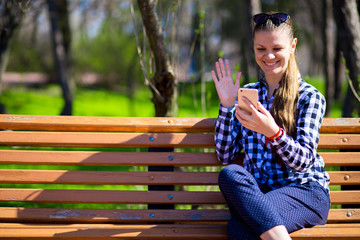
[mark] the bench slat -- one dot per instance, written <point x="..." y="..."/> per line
<point x="84" y="158"/>
<point x="160" y="231"/>
<point x="105" y="231"/>
<point x="344" y="215"/>
<point x="106" y="124"/>
<point x="122" y="140"/>
<point x="109" y="215"/>
<point x="13" y="214"/>
<point x="339" y="141"/>
<point x="108" y="177"/>
<point x="136" y="124"/>
<point x="164" y="140"/>
<point x="341" y="158"/>
<point x="345" y="197"/>
<point x="109" y="196"/>
<point x="136" y="178"/>
<point x="340" y="125"/>
<point x="329" y="231"/>
<point x="344" y="178"/>
<point x="135" y="197"/>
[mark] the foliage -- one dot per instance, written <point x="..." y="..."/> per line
<point x="110" y="51"/>
<point x="26" y="56"/>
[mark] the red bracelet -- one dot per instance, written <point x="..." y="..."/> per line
<point x="277" y="136"/>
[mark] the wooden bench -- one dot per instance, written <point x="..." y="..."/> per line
<point x="94" y="178"/>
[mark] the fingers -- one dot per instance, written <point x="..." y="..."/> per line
<point x="227" y="63"/>
<point x="245" y="119"/>
<point x="222" y="67"/>
<point x="214" y="77"/>
<point x="237" y="81"/>
<point x="217" y="65"/>
<point x="263" y="109"/>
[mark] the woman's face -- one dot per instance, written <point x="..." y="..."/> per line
<point x="272" y="52"/>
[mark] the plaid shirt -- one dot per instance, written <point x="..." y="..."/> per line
<point x="297" y="161"/>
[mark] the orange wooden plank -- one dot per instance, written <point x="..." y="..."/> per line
<point x="135" y="197"/>
<point x="339" y="141"/>
<point x="344" y="215"/>
<point x="8" y="214"/>
<point x="109" y="231"/>
<point x="128" y="140"/>
<point x="107" y="158"/>
<point x="329" y="231"/>
<point x="340" y="125"/>
<point x="180" y="140"/>
<point x="159" y="231"/>
<point x="345" y="197"/>
<point x="344" y="178"/>
<point x="107" y="177"/>
<point x="165" y="140"/>
<point x="106" y="124"/>
<point x="109" y="197"/>
<point x="140" y="124"/>
<point x="341" y="158"/>
<point x="142" y="158"/>
<point x="136" y="178"/>
<point x="49" y="215"/>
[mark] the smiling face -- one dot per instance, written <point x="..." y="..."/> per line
<point x="272" y="52"/>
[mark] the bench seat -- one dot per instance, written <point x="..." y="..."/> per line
<point x="142" y="178"/>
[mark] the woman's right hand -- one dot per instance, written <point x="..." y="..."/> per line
<point x="225" y="86"/>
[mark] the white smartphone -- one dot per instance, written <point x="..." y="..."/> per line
<point x="251" y="94"/>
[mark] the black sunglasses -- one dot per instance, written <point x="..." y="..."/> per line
<point x="276" y="18"/>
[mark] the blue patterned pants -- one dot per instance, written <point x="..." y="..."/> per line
<point x="254" y="211"/>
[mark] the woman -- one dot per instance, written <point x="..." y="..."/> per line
<point x="282" y="185"/>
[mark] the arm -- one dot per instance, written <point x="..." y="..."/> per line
<point x="227" y="135"/>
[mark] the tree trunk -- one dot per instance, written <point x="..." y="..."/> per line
<point x="163" y="82"/>
<point x="11" y="15"/>
<point x="348" y="29"/>
<point x="60" y="37"/>
<point x="328" y="52"/>
<point x="251" y="7"/>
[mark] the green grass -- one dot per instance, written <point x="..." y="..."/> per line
<point x="87" y="102"/>
<point x="103" y="102"/>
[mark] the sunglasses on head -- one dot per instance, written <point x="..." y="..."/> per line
<point x="276" y="18"/>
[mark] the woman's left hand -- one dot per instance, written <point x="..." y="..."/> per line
<point x="259" y="121"/>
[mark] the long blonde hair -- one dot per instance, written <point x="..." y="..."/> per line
<point x="286" y="96"/>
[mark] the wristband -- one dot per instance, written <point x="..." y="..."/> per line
<point x="276" y="137"/>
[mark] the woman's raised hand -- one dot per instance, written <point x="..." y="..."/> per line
<point x="225" y="86"/>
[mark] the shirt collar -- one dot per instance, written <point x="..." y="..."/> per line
<point x="264" y="83"/>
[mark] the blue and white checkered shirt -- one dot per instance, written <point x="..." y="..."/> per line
<point x="297" y="161"/>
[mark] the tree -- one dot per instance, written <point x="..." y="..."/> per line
<point x="348" y="29"/>
<point x="61" y="40"/>
<point x="328" y="52"/>
<point x="237" y="26"/>
<point x="11" y="14"/>
<point x="163" y="82"/>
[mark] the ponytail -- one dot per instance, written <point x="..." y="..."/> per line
<point x="285" y="99"/>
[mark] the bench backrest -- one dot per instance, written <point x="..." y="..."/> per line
<point x="111" y="170"/>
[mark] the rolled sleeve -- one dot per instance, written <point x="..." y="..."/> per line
<point x="226" y="136"/>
